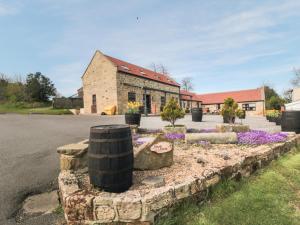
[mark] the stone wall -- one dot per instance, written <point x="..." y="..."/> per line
<point x="99" y="79"/>
<point x="131" y="207"/>
<point x="129" y="83"/>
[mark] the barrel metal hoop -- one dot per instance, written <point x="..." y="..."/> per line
<point x="109" y="140"/>
<point x="111" y="172"/>
<point x="101" y="156"/>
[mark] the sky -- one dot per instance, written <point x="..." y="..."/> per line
<point x="221" y="45"/>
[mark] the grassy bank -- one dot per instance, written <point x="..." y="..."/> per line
<point x="271" y="197"/>
<point x="31" y="109"/>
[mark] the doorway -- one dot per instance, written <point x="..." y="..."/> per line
<point x="147" y="102"/>
<point x="94" y="104"/>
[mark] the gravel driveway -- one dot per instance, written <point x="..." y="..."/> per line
<point x="28" y="160"/>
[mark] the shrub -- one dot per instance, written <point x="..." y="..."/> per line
<point x="172" y="112"/>
<point x="229" y="110"/>
<point x="273" y="113"/>
<point x="241" y="114"/>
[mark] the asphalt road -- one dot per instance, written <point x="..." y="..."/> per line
<point x="28" y="160"/>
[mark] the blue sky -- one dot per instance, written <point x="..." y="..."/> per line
<point x="222" y="45"/>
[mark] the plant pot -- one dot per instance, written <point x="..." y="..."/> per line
<point x="291" y="121"/>
<point x="226" y="119"/>
<point x="197" y="114"/>
<point x="272" y="119"/>
<point x="133" y="118"/>
<point x="278" y="121"/>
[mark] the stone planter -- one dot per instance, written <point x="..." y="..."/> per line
<point x="179" y="129"/>
<point x="133" y="118"/>
<point x="232" y="128"/>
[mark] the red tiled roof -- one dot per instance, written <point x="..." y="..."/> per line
<point x="187" y="95"/>
<point x="142" y="72"/>
<point x="238" y="96"/>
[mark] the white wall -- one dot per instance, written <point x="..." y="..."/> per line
<point x="293" y="106"/>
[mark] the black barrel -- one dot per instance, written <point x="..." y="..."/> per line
<point x="110" y="157"/>
<point x="197" y="114"/>
<point x="290" y="121"/>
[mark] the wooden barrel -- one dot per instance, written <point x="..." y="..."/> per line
<point x="197" y="114"/>
<point x="290" y="121"/>
<point x="110" y="157"/>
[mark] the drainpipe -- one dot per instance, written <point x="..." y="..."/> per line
<point x="145" y="103"/>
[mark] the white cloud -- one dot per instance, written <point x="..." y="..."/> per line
<point x="6" y="9"/>
<point x="188" y="40"/>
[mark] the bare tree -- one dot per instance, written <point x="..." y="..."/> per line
<point x="187" y="84"/>
<point x="288" y="95"/>
<point x="159" y="68"/>
<point x="296" y="81"/>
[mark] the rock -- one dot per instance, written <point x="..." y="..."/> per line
<point x="153" y="156"/>
<point x="76" y="149"/>
<point x="68" y="162"/>
<point x="232" y="128"/>
<point x="104" y="208"/>
<point x="179" y="129"/>
<point x="202" y="161"/>
<point x="224" y="155"/>
<point x="154" y="181"/>
<point x="129" y="206"/>
<point x="155" y="201"/>
<point x="41" y="204"/>
<point x="213" y="138"/>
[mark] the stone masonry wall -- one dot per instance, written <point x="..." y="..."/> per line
<point x="129" y="83"/>
<point x="100" y="79"/>
<point x="131" y="207"/>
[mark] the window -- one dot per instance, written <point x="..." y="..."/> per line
<point x="94" y="99"/>
<point x="131" y="97"/>
<point x="218" y="106"/>
<point x="249" y="107"/>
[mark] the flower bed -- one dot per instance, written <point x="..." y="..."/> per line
<point x="257" y="137"/>
<point x="195" y="168"/>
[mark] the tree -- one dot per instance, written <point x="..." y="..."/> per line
<point x="296" y="81"/>
<point x="15" y="92"/>
<point x="159" y="68"/>
<point x="275" y="102"/>
<point x="39" y="87"/>
<point x="187" y="84"/>
<point x="288" y="95"/>
<point x="3" y="85"/>
<point x="272" y="99"/>
<point x="172" y="111"/>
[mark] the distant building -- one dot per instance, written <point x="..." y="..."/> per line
<point x="296" y="94"/>
<point x="108" y="81"/>
<point x="252" y="100"/>
<point x="189" y="100"/>
<point x="295" y="104"/>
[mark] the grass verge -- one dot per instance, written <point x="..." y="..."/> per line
<point x="270" y="197"/>
<point x="48" y="110"/>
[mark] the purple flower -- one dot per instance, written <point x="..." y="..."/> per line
<point x="174" y="136"/>
<point x="257" y="137"/>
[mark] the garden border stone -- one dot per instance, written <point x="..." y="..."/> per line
<point x="132" y="208"/>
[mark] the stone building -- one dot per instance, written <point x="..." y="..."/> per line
<point x="108" y="81"/>
<point x="252" y="101"/>
<point x="189" y="100"/>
